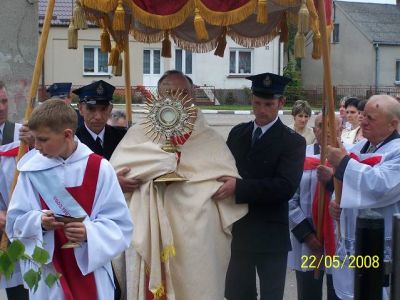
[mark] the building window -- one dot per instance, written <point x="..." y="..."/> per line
<point x="240" y="61"/>
<point x="151" y="61"/>
<point x="398" y="71"/>
<point x="95" y="62"/>
<point x="335" y="33"/>
<point x="183" y="61"/>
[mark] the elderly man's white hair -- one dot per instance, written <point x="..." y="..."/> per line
<point x="389" y="105"/>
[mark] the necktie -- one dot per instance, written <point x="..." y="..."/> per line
<point x="256" y="136"/>
<point x="98" y="142"/>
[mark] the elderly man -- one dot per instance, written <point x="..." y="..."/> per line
<point x="303" y="216"/>
<point x="269" y="157"/>
<point x="370" y="176"/>
<point x="8" y="151"/>
<point x="182" y="237"/>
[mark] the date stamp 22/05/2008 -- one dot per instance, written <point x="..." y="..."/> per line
<point x="337" y="262"/>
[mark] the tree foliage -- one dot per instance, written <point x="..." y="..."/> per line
<point x="15" y="252"/>
<point x="294" y="90"/>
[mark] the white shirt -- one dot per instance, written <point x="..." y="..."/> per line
<point x="95" y="136"/>
<point x="1" y="132"/>
<point x="265" y="127"/>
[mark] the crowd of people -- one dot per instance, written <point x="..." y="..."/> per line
<point x="247" y="208"/>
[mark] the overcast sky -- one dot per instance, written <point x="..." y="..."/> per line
<point x="374" y="1"/>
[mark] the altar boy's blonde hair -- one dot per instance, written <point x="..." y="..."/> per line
<point x="54" y="114"/>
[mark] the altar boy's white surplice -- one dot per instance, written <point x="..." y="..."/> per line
<point x="366" y="187"/>
<point x="109" y="227"/>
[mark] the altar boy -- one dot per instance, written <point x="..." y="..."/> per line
<point x="65" y="177"/>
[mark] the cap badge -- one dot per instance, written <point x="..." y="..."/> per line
<point x="267" y="81"/>
<point x="100" y="90"/>
<point x="55" y="87"/>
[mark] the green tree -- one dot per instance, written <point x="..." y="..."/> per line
<point x="294" y="90"/>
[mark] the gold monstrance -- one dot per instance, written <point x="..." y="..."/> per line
<point x="169" y="116"/>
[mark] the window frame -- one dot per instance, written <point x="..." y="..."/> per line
<point x="184" y="60"/>
<point x="336" y="33"/>
<point x="237" y="51"/>
<point x="151" y="61"/>
<point x="96" y="63"/>
<point x="397" y="72"/>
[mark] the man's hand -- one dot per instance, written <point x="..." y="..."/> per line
<point x="75" y="232"/>
<point x="225" y="190"/>
<point x="26" y="136"/>
<point x="3" y="215"/>
<point x="334" y="210"/>
<point x="335" y="155"/>
<point x="324" y="174"/>
<point x="314" y="244"/>
<point x="128" y="185"/>
<point x="49" y="222"/>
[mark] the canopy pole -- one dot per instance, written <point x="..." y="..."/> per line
<point x="30" y="101"/>
<point x="329" y="91"/>
<point x="128" y="89"/>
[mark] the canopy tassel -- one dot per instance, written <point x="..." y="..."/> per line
<point x="262" y="14"/>
<point x="72" y="36"/>
<point x="316" y="53"/>
<point x="119" y="17"/>
<point x="299" y="45"/>
<point x="166" y="45"/>
<point x="304" y="18"/>
<point x="105" y="42"/>
<point x="114" y="56"/>
<point x="200" y="26"/>
<point x="221" y="44"/>
<point x="284" y="36"/>
<point x="79" y="18"/>
<point x="117" y="70"/>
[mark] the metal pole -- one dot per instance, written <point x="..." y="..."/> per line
<point x="368" y="276"/>
<point x="395" y="280"/>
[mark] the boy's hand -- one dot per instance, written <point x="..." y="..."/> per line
<point x="49" y="222"/>
<point x="75" y="232"/>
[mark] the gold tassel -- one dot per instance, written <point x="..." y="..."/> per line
<point x="166" y="45"/>
<point x="79" y="16"/>
<point x="304" y="18"/>
<point x="299" y="45"/>
<point x="262" y="15"/>
<point x="119" y="17"/>
<point x="316" y="52"/>
<point x="117" y="70"/>
<point x="114" y="57"/>
<point x="72" y="36"/>
<point x="284" y="36"/>
<point x="221" y="44"/>
<point x="105" y="43"/>
<point x="200" y="26"/>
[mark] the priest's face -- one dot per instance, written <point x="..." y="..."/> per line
<point x="95" y="115"/>
<point x="265" y="110"/>
<point x="3" y="106"/>
<point x="176" y="82"/>
<point x="51" y="143"/>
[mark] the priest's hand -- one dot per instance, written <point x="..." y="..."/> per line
<point x="128" y="185"/>
<point x="335" y="155"/>
<point x="26" y="136"/>
<point x="227" y="189"/>
<point x="324" y="174"/>
<point x="75" y="232"/>
<point x="335" y="210"/>
<point x="49" y="222"/>
<point x="314" y="244"/>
